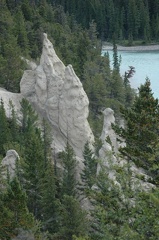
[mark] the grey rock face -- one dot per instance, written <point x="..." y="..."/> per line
<point x="57" y="94"/>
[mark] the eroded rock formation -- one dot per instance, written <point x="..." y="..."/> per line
<point x="108" y="155"/>
<point x="109" y="142"/>
<point x="57" y="94"/>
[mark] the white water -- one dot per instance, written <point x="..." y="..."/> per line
<point x="146" y="64"/>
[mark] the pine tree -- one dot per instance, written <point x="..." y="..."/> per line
<point x="116" y="63"/>
<point x="141" y="128"/>
<point x="33" y="155"/>
<point x="146" y="215"/>
<point x="88" y="174"/>
<point x="69" y="182"/>
<point x="4" y="129"/>
<point x="49" y="204"/>
<point x="73" y="218"/>
<point x="14" y="213"/>
<point x="129" y="92"/>
<point x="29" y="117"/>
<point x="34" y="165"/>
<point x="13" y="124"/>
<point x="112" y="201"/>
<point x="20" y="32"/>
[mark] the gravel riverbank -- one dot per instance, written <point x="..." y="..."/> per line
<point x="132" y="48"/>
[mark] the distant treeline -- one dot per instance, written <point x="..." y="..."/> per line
<point x="126" y="19"/>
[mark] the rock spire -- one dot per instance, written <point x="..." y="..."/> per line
<point x="57" y="94"/>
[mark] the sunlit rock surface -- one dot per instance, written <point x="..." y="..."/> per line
<point x="57" y="94"/>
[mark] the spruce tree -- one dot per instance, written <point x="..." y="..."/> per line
<point x="33" y="155"/>
<point x="4" y="129"/>
<point x="20" y="32"/>
<point x="49" y="203"/>
<point x="33" y="170"/>
<point x="112" y="209"/>
<point x="141" y="128"/>
<point x="14" y="213"/>
<point x="88" y="174"/>
<point x="69" y="181"/>
<point x="73" y="218"/>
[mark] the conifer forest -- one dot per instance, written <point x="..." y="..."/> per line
<point x="43" y="201"/>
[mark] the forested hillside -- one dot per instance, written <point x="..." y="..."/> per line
<point x="41" y="201"/>
<point x="22" y="26"/>
<point x="122" y="19"/>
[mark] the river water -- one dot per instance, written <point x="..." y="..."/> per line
<point x="146" y="64"/>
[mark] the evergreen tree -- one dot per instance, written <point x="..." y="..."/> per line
<point x="88" y="174"/>
<point x="4" y="130"/>
<point x="33" y="155"/>
<point x="13" y="124"/>
<point x="73" y="218"/>
<point x="33" y="170"/>
<point x="129" y="92"/>
<point x="146" y="215"/>
<point x="112" y="200"/>
<point x="47" y="139"/>
<point x="29" y="117"/>
<point x="116" y="63"/>
<point x="14" y="213"/>
<point x="141" y="128"/>
<point x="49" y="204"/>
<point x="20" y="32"/>
<point x="69" y="182"/>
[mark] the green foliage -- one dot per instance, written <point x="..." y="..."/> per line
<point x="73" y="219"/>
<point x="4" y="130"/>
<point x="129" y="92"/>
<point x="69" y="162"/>
<point x="88" y="174"/>
<point x="110" y="212"/>
<point x="141" y="132"/>
<point x="116" y="63"/>
<point x="49" y="204"/>
<point x="132" y="19"/>
<point x="20" y="32"/>
<point x="29" y="116"/>
<point x="38" y="188"/>
<point x="122" y="210"/>
<point x="25" y="24"/>
<point x="14" y="213"/>
<point x="146" y="215"/>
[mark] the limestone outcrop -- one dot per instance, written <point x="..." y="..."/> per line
<point x="57" y="94"/>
